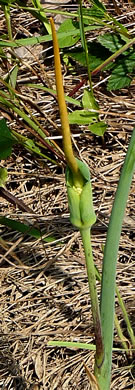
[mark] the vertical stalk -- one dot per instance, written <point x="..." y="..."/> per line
<point x="116" y="321"/>
<point x="86" y="239"/>
<point x="121" y="336"/>
<point x="109" y="264"/>
<point x="84" y="44"/>
<point x="126" y="318"/>
<point x="6" y="9"/>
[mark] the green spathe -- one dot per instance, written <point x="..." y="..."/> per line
<point x="80" y="201"/>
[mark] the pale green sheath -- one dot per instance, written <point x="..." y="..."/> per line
<point x="80" y="201"/>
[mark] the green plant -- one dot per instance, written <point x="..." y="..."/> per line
<point x="111" y="52"/>
<point x="83" y="217"/>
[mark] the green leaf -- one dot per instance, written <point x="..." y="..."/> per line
<point x="81" y="117"/>
<point x="121" y="72"/>
<point x="99" y="5"/>
<point x="117" y="82"/>
<point x="3" y="176"/>
<point x="6" y="140"/>
<point x="88" y="100"/>
<point x="92" y="12"/>
<point x="128" y="62"/>
<point x="98" y="128"/>
<point x="25" y="229"/>
<point x="70" y="344"/>
<point x="30" y="143"/>
<point x="75" y="344"/>
<point x="13" y="76"/>
<point x="44" y="38"/>
<point x="113" y="42"/>
<point x="67" y="98"/>
<point x="79" y="56"/>
<point x="97" y="55"/>
<point x="67" y="26"/>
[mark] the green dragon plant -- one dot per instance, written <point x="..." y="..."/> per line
<point x="82" y="216"/>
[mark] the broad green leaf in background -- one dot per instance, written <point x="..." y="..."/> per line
<point x="79" y="56"/>
<point x="89" y="102"/>
<point x="117" y="82"/>
<point x="97" y="55"/>
<point x="85" y="117"/>
<point x="3" y="176"/>
<point x="122" y="73"/>
<point x="6" y="140"/>
<point x="98" y="128"/>
<point x="113" y="42"/>
<point x="122" y="68"/>
<point x="127" y="64"/>
<point x="66" y="26"/>
<point x="92" y="12"/>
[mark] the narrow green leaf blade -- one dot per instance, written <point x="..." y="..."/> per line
<point x="70" y="344"/>
<point x="99" y="5"/>
<point x="76" y="344"/>
<point x="25" y="229"/>
<point x="6" y="140"/>
<point x="3" y="176"/>
<point x="13" y="76"/>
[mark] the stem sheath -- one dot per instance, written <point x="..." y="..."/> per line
<point x="86" y="239"/>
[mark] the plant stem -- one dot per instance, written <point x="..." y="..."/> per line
<point x="42" y="15"/>
<point x="126" y="318"/>
<point x="85" y="234"/>
<point x="109" y="264"/>
<point x="116" y="321"/>
<point x="84" y="44"/>
<point x="123" y="341"/>
<point x="6" y="9"/>
<point x="25" y="141"/>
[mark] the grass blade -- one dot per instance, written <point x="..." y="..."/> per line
<point x="25" y="229"/>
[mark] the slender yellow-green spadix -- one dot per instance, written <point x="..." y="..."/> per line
<point x="77" y="173"/>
